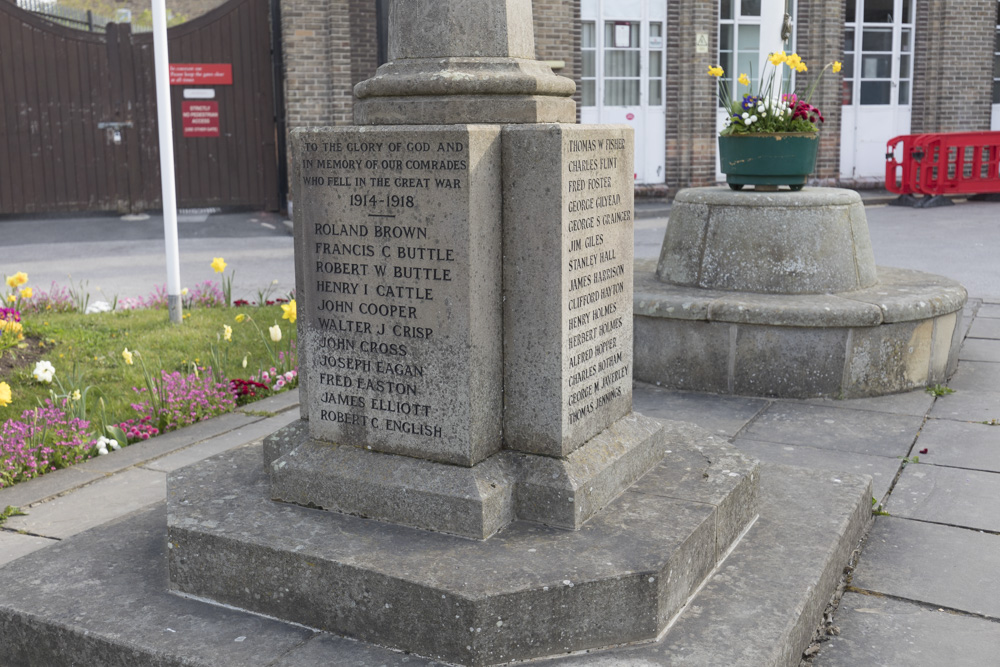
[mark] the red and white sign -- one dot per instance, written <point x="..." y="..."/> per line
<point x="201" y="74"/>
<point x="200" y="119"/>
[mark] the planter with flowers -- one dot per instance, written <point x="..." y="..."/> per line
<point x="771" y="136"/>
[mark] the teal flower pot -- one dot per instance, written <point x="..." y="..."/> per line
<point x="768" y="159"/>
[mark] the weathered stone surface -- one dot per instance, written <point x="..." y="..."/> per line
<point x="15" y="545"/>
<point x="401" y="235"/>
<point x="890" y="357"/>
<point x="717" y="414"/>
<point x="683" y="354"/>
<point x="915" y="402"/>
<point x="787" y="243"/>
<point x="567" y="283"/>
<point x="985" y="327"/>
<point x="975" y="376"/>
<point x="472" y="502"/>
<point x="528" y="591"/>
<point x="905" y="295"/>
<point x="979" y="406"/>
<point x="951" y="496"/>
<point x="284" y="440"/>
<point x="455" y="110"/>
<point x="882" y="631"/>
<point x="461" y="28"/>
<point x="958" y="444"/>
<point x="933" y="564"/>
<point x="790" y="362"/>
<point x="980" y="349"/>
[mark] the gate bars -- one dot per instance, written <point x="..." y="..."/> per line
<point x="942" y="164"/>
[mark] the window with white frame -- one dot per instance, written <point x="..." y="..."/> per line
<point x="868" y="51"/>
<point x="739" y="42"/>
<point x="588" y="74"/>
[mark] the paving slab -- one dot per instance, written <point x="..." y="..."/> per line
<point x="100" y="502"/>
<point x="280" y="402"/>
<point x="976" y="376"/>
<point x="103" y="595"/>
<point x="236" y="438"/>
<point x="916" y="402"/>
<point x="968" y="406"/>
<point x="882" y="632"/>
<point x="956" y="568"/>
<point x="960" y="445"/>
<point x="985" y="327"/>
<point x="980" y="349"/>
<point x="722" y="415"/>
<point x="989" y="310"/>
<point x="954" y="496"/>
<point x="14" y="545"/>
<point x="824" y="427"/>
<point x="47" y="486"/>
<point x="882" y="469"/>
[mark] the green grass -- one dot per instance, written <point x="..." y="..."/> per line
<point x="86" y="350"/>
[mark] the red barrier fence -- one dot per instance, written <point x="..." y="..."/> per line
<point x="943" y="164"/>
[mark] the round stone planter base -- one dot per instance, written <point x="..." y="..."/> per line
<point x="903" y="333"/>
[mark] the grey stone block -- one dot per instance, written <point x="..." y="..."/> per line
<point x="984" y="327"/>
<point x="989" y="310"/>
<point x="720" y="415"/>
<point x="284" y="440"/>
<point x="568" y="192"/>
<point x="790" y="362"/>
<point x="526" y="592"/>
<point x="915" y="402"/>
<point x="100" y="502"/>
<point x="968" y="406"/>
<point x="951" y="496"/>
<point x="895" y="633"/>
<point x="905" y="295"/>
<point x="794" y="310"/>
<point x="872" y="433"/>
<point x="683" y="354"/>
<point x="882" y="469"/>
<point x="937" y="565"/>
<point x="14" y="545"/>
<point x="472" y="502"/>
<point x="974" y="376"/>
<point x="402" y="242"/>
<point x="980" y="349"/>
<point x="809" y="242"/>
<point x="889" y="358"/>
<point x="960" y="445"/>
<point x="280" y="402"/>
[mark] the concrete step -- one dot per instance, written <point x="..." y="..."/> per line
<point x="101" y="598"/>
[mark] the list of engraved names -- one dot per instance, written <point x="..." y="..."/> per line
<point x="599" y="238"/>
<point x="381" y="271"/>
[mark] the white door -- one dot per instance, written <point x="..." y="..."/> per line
<point x="622" y="81"/>
<point x="995" y="124"/>
<point x="878" y="82"/>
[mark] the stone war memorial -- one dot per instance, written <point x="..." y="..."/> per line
<point x="468" y="483"/>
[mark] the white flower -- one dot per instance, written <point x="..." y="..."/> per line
<point x="44" y="370"/>
<point x="103" y="443"/>
<point x="275" y="332"/>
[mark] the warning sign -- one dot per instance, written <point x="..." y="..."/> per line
<point x="200" y="119"/>
<point x="201" y="74"/>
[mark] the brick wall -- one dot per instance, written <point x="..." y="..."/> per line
<point x="952" y="88"/>
<point x="364" y="40"/>
<point x="819" y="39"/>
<point x="557" y="36"/>
<point x="691" y="94"/>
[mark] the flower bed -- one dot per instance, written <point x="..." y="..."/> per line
<point x="76" y="385"/>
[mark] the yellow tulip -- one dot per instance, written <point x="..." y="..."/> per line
<point x="290" y="311"/>
<point x="744" y="79"/>
<point x="218" y="264"/>
<point x="716" y="71"/>
<point x="5" y="395"/>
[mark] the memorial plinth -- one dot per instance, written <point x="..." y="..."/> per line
<point x="468" y="480"/>
<point x="777" y="294"/>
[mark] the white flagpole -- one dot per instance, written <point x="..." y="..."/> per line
<point x="162" y="62"/>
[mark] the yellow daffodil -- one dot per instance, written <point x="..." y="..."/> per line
<point x="716" y="71"/>
<point x="127" y="356"/>
<point x="17" y="279"/>
<point x="11" y="298"/>
<point x="836" y="66"/>
<point x="744" y="79"/>
<point x="240" y="317"/>
<point x="801" y="67"/>
<point x="777" y="58"/>
<point x="793" y="60"/>
<point x="26" y="293"/>
<point x="5" y="395"/>
<point x="290" y="311"/>
<point x="227" y="332"/>
<point x="218" y="264"/>
<point x="275" y="332"/>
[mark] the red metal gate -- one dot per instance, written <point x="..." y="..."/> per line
<point x="78" y="125"/>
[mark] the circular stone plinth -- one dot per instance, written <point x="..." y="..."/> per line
<point x="809" y="242"/>
<point x="900" y="334"/>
